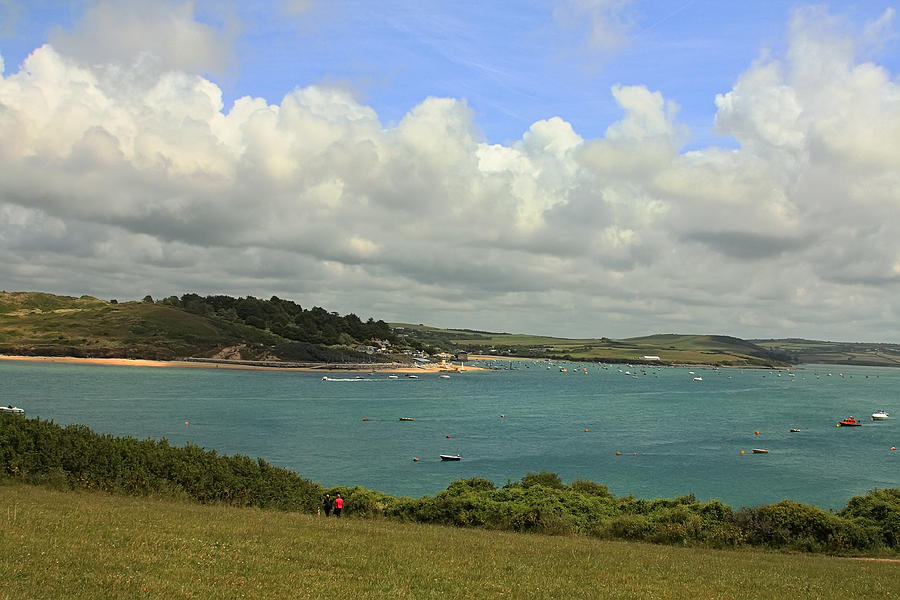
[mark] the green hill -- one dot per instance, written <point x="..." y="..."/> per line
<point x="35" y="323"/>
<point x="252" y="329"/>
<point x="841" y="353"/>
<point x="669" y="348"/>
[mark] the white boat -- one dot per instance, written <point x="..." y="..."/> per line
<point x="697" y="379"/>
<point x="879" y="415"/>
<point x="444" y="376"/>
<point x="15" y="410"/>
<point x="393" y="377"/>
<point x="451" y="457"/>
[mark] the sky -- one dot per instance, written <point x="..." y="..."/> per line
<point x="576" y="168"/>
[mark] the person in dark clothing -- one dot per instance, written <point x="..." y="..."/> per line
<point x="338" y="505"/>
<point x="327" y="505"/>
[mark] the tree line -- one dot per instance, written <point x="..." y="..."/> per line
<point x="284" y="318"/>
<point x="42" y="452"/>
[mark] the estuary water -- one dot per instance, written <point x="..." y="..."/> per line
<point x="651" y="432"/>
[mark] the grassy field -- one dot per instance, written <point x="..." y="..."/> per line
<point x="90" y="545"/>
<point x="45" y="324"/>
<point x="843" y="353"/>
<point x="670" y="348"/>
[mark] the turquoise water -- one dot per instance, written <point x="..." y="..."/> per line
<point x="676" y="436"/>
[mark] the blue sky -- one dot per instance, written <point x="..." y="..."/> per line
<point x="637" y="166"/>
<point x="514" y="62"/>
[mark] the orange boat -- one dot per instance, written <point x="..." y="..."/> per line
<point x="849" y="422"/>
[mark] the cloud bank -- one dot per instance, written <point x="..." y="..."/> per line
<point x="131" y="178"/>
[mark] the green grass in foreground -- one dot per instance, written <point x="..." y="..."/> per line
<point x="91" y="545"/>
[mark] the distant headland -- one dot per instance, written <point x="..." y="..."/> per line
<point x="222" y="331"/>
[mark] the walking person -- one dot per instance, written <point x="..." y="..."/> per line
<point x="327" y="505"/>
<point x="338" y="506"/>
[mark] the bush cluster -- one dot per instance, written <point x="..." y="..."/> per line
<point x="74" y="456"/>
<point x="285" y="318"/>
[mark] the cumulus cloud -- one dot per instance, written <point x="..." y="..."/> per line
<point x="135" y="180"/>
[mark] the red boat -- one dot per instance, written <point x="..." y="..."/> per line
<point x="849" y="422"/>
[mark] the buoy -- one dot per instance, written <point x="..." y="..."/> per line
<point x="618" y="454"/>
<point x="448" y="435"/>
<point x="365" y="419"/>
<point x="415" y="459"/>
<point x="756" y="432"/>
<point x="893" y="447"/>
<point x="187" y="422"/>
<point x="742" y="451"/>
<point x="587" y="429"/>
<point x="501" y="416"/>
<point x="635" y="453"/>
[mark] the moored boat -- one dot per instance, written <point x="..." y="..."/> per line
<point x="407" y="419"/>
<point x="849" y="422"/>
<point x="880" y="415"/>
<point x="14" y="410"/>
<point x="760" y="451"/>
<point x="451" y="457"/>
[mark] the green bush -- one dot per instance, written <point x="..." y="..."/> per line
<point x="544" y="478"/>
<point x="41" y="451"/>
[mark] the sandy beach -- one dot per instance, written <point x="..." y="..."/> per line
<point x="200" y="364"/>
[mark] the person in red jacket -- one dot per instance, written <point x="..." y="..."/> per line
<point x="338" y="506"/>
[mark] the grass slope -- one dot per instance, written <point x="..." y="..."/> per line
<point x="86" y="545"/>
<point x="843" y="353"/>
<point x="671" y="348"/>
<point x="45" y="324"/>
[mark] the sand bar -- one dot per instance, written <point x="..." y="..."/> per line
<point x="250" y="365"/>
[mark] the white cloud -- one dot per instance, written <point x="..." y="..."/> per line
<point x="605" y="22"/>
<point x="133" y="180"/>
<point x="125" y="31"/>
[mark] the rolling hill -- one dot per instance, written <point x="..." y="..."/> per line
<point x="40" y="324"/>
<point x="669" y="348"/>
<point x="250" y="329"/>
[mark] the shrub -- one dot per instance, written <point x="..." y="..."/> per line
<point x="544" y="478"/>
<point x="40" y="451"/>
<point x="590" y="488"/>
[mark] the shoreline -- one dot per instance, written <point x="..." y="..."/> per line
<point x="248" y="365"/>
